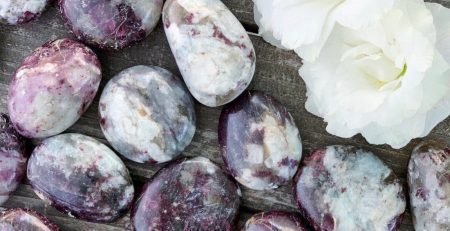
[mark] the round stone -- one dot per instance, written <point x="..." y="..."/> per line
<point x="21" y="11"/>
<point x="345" y="188"/>
<point x="110" y="24"/>
<point x="52" y="88"/>
<point x="259" y="141"/>
<point x="19" y="219"/>
<point x="13" y="158"/>
<point x="82" y="177"/>
<point x="147" y="114"/>
<point x="274" y="221"/>
<point x="189" y="194"/>
<point x="212" y="49"/>
<point x="429" y="185"/>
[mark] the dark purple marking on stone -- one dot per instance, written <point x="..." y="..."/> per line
<point x="429" y="186"/>
<point x="82" y="177"/>
<point x="16" y="12"/>
<point x="191" y="194"/>
<point x="19" y="219"/>
<point x="259" y="141"/>
<point x="13" y="158"/>
<point x="52" y="88"/>
<point x="110" y="24"/>
<point x="372" y="199"/>
<point x="274" y="221"/>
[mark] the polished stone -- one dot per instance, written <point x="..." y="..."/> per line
<point x="147" y="114"/>
<point x="213" y="51"/>
<point x="53" y="87"/>
<point x="19" y="219"/>
<point x="274" y="221"/>
<point x="15" y="12"/>
<point x="259" y="141"/>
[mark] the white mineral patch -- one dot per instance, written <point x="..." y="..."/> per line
<point x="12" y="10"/>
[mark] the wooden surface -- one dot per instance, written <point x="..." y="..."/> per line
<point x="276" y="74"/>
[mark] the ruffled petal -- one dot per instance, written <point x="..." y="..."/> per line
<point x="441" y="21"/>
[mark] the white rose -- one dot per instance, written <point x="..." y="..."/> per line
<point x="304" y="25"/>
<point x="389" y="80"/>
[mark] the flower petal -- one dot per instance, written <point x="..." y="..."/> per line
<point x="356" y="14"/>
<point x="441" y="17"/>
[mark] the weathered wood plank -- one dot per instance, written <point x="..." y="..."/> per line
<point x="276" y="74"/>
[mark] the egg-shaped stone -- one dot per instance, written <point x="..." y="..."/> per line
<point x="344" y="188"/>
<point x="189" y="194"/>
<point x="19" y="219"/>
<point x="259" y="141"/>
<point x="147" y="114"/>
<point x="15" y="12"/>
<point x="13" y="158"/>
<point x="212" y="49"/>
<point x="429" y="186"/>
<point x="80" y="176"/>
<point x="274" y="221"/>
<point x="52" y="88"/>
<point x="110" y="24"/>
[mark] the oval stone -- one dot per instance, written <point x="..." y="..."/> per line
<point x="15" y="12"/>
<point x="213" y="51"/>
<point x="80" y="176"/>
<point x="19" y="219"/>
<point x="259" y="141"/>
<point x="52" y="88"/>
<point x="110" y="24"/>
<point x="429" y="185"/>
<point x="147" y="114"/>
<point x="189" y="194"/>
<point x="13" y="158"/>
<point x="345" y="188"/>
<point x="274" y="221"/>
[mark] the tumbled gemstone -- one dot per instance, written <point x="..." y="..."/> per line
<point x="80" y="176"/>
<point x="190" y="195"/>
<point x="274" y="221"/>
<point x="147" y="114"/>
<point x="111" y="24"/>
<point x="429" y="185"/>
<point x="19" y="219"/>
<point x="345" y="188"/>
<point x="259" y="141"/>
<point x="13" y="158"/>
<point x="21" y="11"/>
<point x="213" y="51"/>
<point x="52" y="88"/>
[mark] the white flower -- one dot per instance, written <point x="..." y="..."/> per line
<point x="389" y="80"/>
<point x="304" y="25"/>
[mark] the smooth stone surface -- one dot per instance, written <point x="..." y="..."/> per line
<point x="259" y="141"/>
<point x="274" y="221"/>
<point x="21" y="11"/>
<point x="52" y="88"/>
<point x="13" y="158"/>
<point x="212" y="49"/>
<point x="19" y="219"/>
<point x="147" y="114"/>
<point x="82" y="177"/>
<point x="344" y="188"/>
<point x="190" y="195"/>
<point x="429" y="185"/>
<point x="110" y="24"/>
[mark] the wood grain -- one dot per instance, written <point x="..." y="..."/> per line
<point x="276" y="74"/>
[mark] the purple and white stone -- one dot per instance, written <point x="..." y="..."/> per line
<point x="211" y="47"/>
<point x="52" y="88"/>
<point x="429" y="185"/>
<point x="274" y="221"/>
<point x="82" y="177"/>
<point x="345" y="188"/>
<point x="259" y="141"/>
<point x="147" y="114"/>
<point x="13" y="158"/>
<point x="189" y="194"/>
<point x="21" y="11"/>
<point x="111" y="24"/>
<point x="19" y="219"/>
